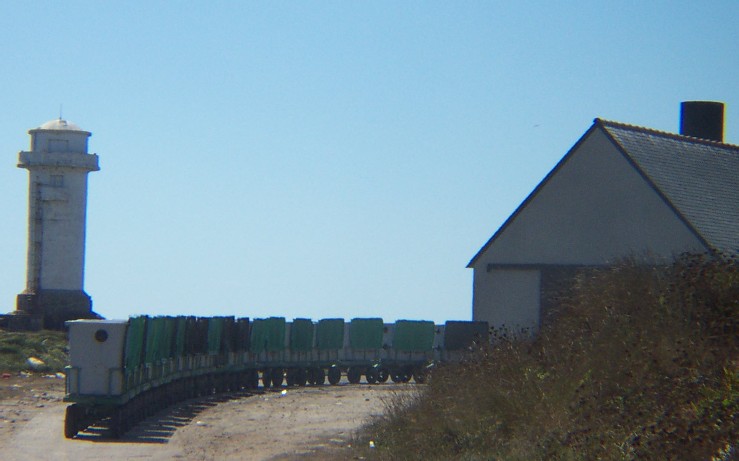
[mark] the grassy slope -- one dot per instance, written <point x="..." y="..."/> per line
<point x="48" y="346"/>
<point x="640" y="363"/>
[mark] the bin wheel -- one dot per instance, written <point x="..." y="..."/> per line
<point x="420" y="375"/>
<point x="128" y="416"/>
<point x="371" y="374"/>
<point x="401" y="375"/>
<point x="71" y="418"/>
<point x="354" y="375"/>
<point x="116" y="424"/>
<point x="277" y="377"/>
<point x="334" y="375"/>
<point x="317" y="377"/>
<point x="291" y="376"/>
<point x="253" y="379"/>
<point x="301" y="376"/>
<point x="407" y="373"/>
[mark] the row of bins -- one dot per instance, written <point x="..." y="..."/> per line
<point x="145" y="351"/>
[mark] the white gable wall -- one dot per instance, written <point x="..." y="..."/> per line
<point x="512" y="297"/>
<point x="595" y="209"/>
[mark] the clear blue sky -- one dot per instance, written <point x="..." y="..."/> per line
<point x="328" y="159"/>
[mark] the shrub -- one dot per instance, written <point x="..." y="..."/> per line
<point x="640" y="362"/>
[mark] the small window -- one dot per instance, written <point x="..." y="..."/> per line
<point x="58" y="145"/>
<point x="101" y="336"/>
<point x="57" y="180"/>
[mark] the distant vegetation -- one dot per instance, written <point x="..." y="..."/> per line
<point x="50" y="347"/>
<point x="640" y="363"/>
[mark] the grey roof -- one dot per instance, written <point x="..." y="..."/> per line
<point x="698" y="178"/>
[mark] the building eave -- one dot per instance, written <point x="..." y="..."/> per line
<point x="534" y="193"/>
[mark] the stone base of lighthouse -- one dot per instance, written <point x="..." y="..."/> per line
<point x="49" y="309"/>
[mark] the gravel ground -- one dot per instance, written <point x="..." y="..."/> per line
<point x="296" y="423"/>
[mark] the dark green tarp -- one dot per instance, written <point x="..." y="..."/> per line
<point x="135" y="342"/>
<point x="200" y="338"/>
<point x="366" y="333"/>
<point x="460" y="335"/>
<point x="215" y="332"/>
<point x="228" y="335"/>
<point x="268" y="335"/>
<point x="242" y="334"/>
<point x="414" y="335"/>
<point x="301" y="335"/>
<point x="154" y="337"/>
<point x="168" y="337"/>
<point x="180" y="336"/>
<point x="194" y="335"/>
<point x="330" y="334"/>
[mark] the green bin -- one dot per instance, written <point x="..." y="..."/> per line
<point x="180" y="336"/>
<point x="268" y="335"/>
<point x="154" y="336"/>
<point x="366" y="333"/>
<point x="242" y="334"/>
<point x="168" y="337"/>
<point x="330" y="334"/>
<point x="135" y="335"/>
<point x="414" y="335"/>
<point x="215" y="333"/>
<point x="228" y="335"/>
<point x="301" y="335"/>
<point x="459" y="335"/>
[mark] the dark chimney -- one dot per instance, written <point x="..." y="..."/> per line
<point x="702" y="119"/>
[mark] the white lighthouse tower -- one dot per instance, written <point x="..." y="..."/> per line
<point x="58" y="164"/>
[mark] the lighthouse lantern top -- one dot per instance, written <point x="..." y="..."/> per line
<point x="59" y="135"/>
<point x="60" y="124"/>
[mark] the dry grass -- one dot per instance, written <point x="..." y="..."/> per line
<point x="640" y="363"/>
<point x="48" y="346"/>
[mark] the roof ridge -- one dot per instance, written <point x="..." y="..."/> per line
<point x="666" y="134"/>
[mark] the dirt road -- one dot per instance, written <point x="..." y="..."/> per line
<point x="295" y="423"/>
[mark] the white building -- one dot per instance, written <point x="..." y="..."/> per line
<point x="621" y="191"/>
<point x="58" y="164"/>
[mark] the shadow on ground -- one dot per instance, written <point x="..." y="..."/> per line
<point x="160" y="427"/>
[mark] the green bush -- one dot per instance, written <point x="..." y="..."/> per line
<point x="638" y="363"/>
<point x="17" y="347"/>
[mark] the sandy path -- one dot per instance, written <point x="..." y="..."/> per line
<point x="261" y="426"/>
